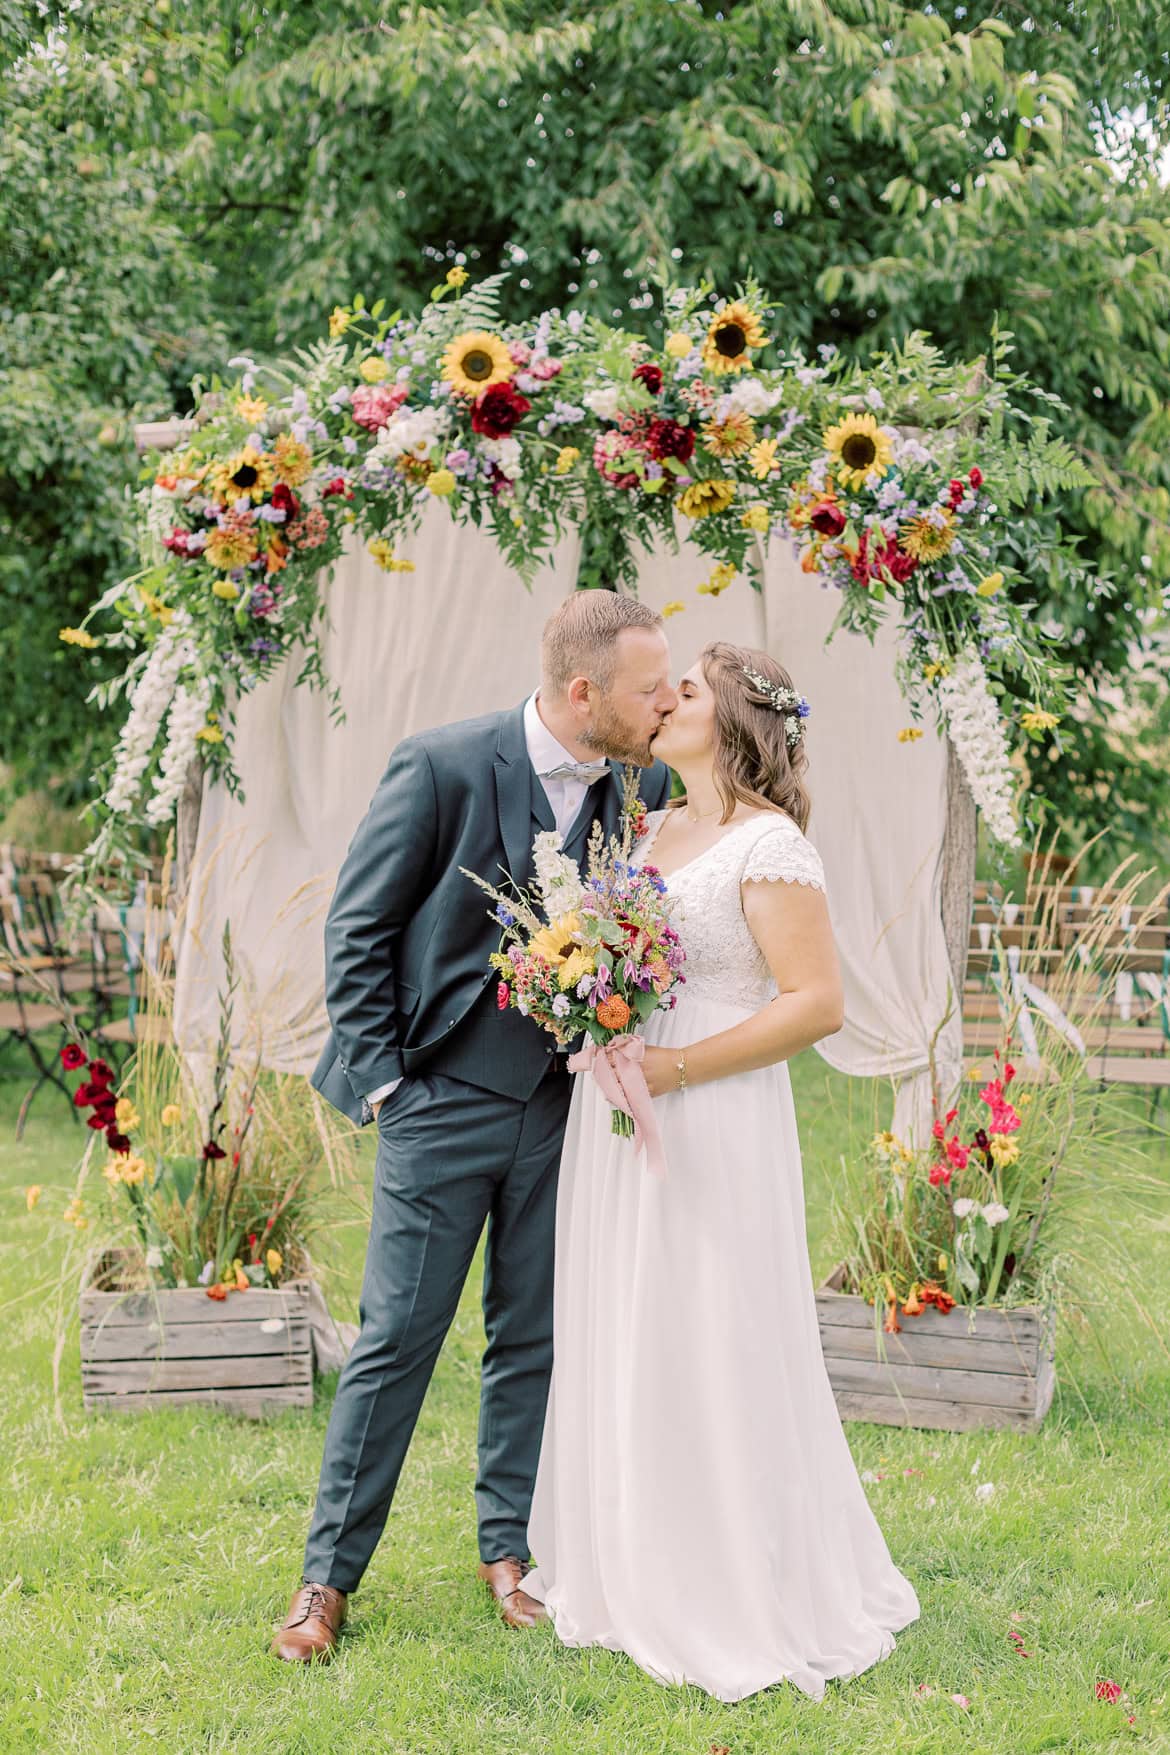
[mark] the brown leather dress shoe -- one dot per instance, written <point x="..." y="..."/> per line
<point x="504" y="1578"/>
<point x="315" y="1618"/>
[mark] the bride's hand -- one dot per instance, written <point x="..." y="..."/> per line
<point x="661" y="1069"/>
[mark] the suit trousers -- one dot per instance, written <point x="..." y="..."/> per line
<point x="450" y="1156"/>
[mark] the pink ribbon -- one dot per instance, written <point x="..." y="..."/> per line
<point x="618" y="1070"/>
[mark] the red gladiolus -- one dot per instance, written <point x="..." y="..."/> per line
<point x="72" y="1057"/>
<point x="95" y="1121"/>
<point x="101" y="1072"/>
<point x="213" y="1152"/>
<point x="1009" y="1073"/>
<point x="940" y="1173"/>
<point x="84" y="1095"/>
<point x="975" y="477"/>
<point x="666" y="438"/>
<point x="938" y="1130"/>
<point x="957" y="1154"/>
<point x="950" y="1116"/>
<point x="1111" y="1691"/>
<point x="117" y="1142"/>
<point x="497" y="410"/>
<point x="650" y="375"/>
<point x="827" y="519"/>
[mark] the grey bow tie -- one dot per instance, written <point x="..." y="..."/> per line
<point x="587" y="772"/>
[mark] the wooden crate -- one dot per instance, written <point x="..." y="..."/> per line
<point x="954" y="1372"/>
<point x="252" y="1353"/>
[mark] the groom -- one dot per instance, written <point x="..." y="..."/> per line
<point x="470" y="1103"/>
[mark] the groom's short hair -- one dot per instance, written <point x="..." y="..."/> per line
<point x="580" y="638"/>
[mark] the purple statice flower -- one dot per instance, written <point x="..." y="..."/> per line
<point x="458" y="459"/>
<point x="299" y="403"/>
<point x="271" y="514"/>
<point x="264" y="648"/>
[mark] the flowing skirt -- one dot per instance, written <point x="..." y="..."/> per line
<point x="696" y="1503"/>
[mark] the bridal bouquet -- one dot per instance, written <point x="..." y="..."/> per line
<point x="593" y="956"/>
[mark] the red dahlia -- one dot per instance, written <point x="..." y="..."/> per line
<point x="498" y="410"/>
<point x="975" y="477"/>
<point x="827" y="519"/>
<point x="284" y="500"/>
<point x="650" y="375"/>
<point x="667" y="438"/>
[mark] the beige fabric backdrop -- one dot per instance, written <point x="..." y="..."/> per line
<point x="458" y="637"/>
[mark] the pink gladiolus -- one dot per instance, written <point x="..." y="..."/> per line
<point x="1110" y="1691"/>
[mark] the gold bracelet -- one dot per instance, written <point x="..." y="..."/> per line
<point x="681" y="1063"/>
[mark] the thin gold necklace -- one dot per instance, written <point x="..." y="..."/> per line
<point x="702" y="815"/>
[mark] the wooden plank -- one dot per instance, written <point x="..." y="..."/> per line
<point x="913" y="1347"/>
<point x="1115" y="1070"/>
<point x="191" y="1304"/>
<point x="256" y="1404"/>
<point x="888" y="1410"/>
<point x="134" y="1376"/>
<point x="193" y="1340"/>
<point x="934" y="1383"/>
<point x="1019" y="1327"/>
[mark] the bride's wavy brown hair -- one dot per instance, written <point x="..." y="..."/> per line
<point x="753" y="762"/>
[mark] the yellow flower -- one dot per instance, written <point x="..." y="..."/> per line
<point x="762" y="457"/>
<point x="858" y="448"/>
<point x="382" y="551"/>
<point x="930" y="671"/>
<point x="393" y="566"/>
<point x="294" y="460"/>
<point x="1024" y="1098"/>
<point x="77" y="637"/>
<point x="566" y="457"/>
<point x="944" y="1261"/>
<point x="273" y="1261"/>
<point x="476" y="360"/>
<point x="731" y="437"/>
<point x="703" y="498"/>
<point x="209" y="734"/>
<point x="339" y="321"/>
<point x="126" y="1115"/>
<point x="557" y="941"/>
<point x="172" y="1114"/>
<point x="456" y="276"/>
<point x="441" y="483"/>
<point x="155" y="606"/>
<point x="886" y="1143"/>
<point x="32" y="1196"/>
<point x="251" y="408"/>
<point x="579" y="962"/>
<point x="246" y="475"/>
<point x="225" y="588"/>
<point x="911" y="734"/>
<point x="1039" y="721"/>
<point x="756" y="518"/>
<point x="722" y="575"/>
<point x="1003" y="1149"/>
<point x="730" y="333"/>
<point x="112" y="1170"/>
<point x="374" y="368"/>
<point x="675" y="608"/>
<point x="133" y="1170"/>
<point x="679" y="345"/>
<point x="989" y="586"/>
<point x="928" y="541"/>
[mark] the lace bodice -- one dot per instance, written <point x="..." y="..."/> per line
<point x="724" y="962"/>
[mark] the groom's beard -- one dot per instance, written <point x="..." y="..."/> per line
<point x="612" y="736"/>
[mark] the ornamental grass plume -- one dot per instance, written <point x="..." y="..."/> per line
<point x="1004" y="1203"/>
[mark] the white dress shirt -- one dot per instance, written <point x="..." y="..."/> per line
<point x="565" y="799"/>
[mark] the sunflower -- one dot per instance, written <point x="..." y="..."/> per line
<point x="858" y="448"/>
<point x="475" y="360"/>
<point x="925" y="540"/>
<point x="731" y="437"/>
<point x="703" y="498"/>
<point x="578" y="963"/>
<point x="247" y="474"/>
<point x="557" y="941"/>
<point x="731" y="332"/>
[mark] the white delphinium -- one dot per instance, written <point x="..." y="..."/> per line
<point x="557" y="875"/>
<point x="605" y="401"/>
<point x="151" y="696"/>
<point x="187" y="716"/>
<point x="995" y="1212"/>
<point x="749" y="396"/>
<point x="412" y="431"/>
<point x="962" y="1207"/>
<point x="975" y="728"/>
<point x="505" y="454"/>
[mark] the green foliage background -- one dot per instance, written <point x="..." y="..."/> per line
<point x="179" y="183"/>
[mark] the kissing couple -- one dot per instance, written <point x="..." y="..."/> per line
<point x="657" y="1431"/>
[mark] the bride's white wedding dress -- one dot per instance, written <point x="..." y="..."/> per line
<point x="696" y="1504"/>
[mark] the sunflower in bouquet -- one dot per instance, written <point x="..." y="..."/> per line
<point x="589" y="956"/>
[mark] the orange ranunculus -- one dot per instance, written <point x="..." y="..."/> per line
<point x="613" y="1013"/>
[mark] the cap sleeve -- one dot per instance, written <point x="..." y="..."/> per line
<point x="781" y="854"/>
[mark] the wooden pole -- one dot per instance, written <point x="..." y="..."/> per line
<point x="958" y="871"/>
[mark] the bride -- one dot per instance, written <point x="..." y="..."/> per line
<point x="696" y="1503"/>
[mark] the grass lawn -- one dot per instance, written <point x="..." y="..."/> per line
<point x="143" y="1560"/>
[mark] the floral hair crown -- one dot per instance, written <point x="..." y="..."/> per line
<point x="793" y="706"/>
